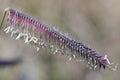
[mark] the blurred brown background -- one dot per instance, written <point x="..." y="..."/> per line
<point x="93" y="22"/>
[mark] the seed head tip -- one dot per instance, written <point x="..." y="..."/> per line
<point x="7" y="9"/>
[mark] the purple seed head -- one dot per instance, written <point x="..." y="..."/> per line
<point x="41" y="35"/>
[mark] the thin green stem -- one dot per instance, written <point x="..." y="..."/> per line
<point x="3" y="18"/>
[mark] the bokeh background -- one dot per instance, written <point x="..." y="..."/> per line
<point x="93" y="22"/>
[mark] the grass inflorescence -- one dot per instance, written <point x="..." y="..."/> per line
<point x="41" y="35"/>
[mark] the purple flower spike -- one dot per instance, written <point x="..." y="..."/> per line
<point x="34" y="32"/>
